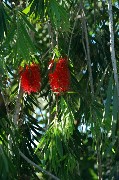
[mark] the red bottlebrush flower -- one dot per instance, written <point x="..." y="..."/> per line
<point x="59" y="76"/>
<point x="30" y="78"/>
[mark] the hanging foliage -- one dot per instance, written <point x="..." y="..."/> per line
<point x="59" y="89"/>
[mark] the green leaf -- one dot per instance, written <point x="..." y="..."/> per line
<point x="1" y="67"/>
<point x="100" y="82"/>
<point x="28" y="23"/>
<point x="109" y="97"/>
<point x="37" y="7"/>
<point x="59" y="145"/>
<point x="1" y="23"/>
<point x="27" y="9"/>
<point x="22" y="46"/>
<point x="28" y="39"/>
<point x="10" y="35"/>
<point x="24" y="42"/>
<point x="58" y="15"/>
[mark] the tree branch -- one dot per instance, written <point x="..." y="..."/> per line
<point x="112" y="50"/>
<point x="17" y="107"/>
<point x="88" y="52"/>
<point x="37" y="166"/>
<point x="51" y="34"/>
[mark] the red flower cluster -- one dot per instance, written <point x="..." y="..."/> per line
<point x="59" y="75"/>
<point x="30" y="78"/>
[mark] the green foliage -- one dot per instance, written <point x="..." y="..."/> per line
<point x="3" y="19"/>
<point x="75" y="135"/>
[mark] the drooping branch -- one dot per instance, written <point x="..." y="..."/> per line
<point x="15" y="120"/>
<point x="37" y="166"/>
<point x="87" y="54"/>
<point x="112" y="49"/>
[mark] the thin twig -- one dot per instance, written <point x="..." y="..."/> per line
<point x="57" y="40"/>
<point x="73" y="32"/>
<point x="37" y="166"/>
<point x="88" y="52"/>
<point x="45" y="54"/>
<point x="51" y="34"/>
